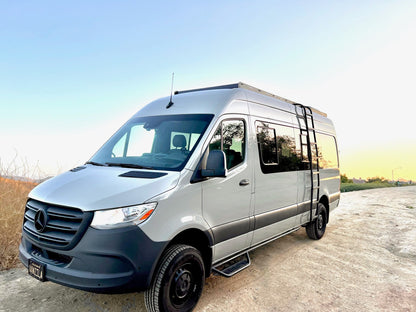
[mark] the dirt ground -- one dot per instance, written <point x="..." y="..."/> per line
<point x="365" y="262"/>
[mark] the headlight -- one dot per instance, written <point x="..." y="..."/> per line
<point x="120" y="217"/>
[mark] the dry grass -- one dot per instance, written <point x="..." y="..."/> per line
<point x="13" y="196"/>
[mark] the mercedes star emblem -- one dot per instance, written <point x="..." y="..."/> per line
<point x="40" y="220"/>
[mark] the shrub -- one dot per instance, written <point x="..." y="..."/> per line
<point x="13" y="196"/>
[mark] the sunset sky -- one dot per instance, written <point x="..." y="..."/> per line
<point x="72" y="72"/>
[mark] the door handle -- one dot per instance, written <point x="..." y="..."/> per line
<point x="244" y="182"/>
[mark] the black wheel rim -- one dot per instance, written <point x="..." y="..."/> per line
<point x="183" y="282"/>
<point x="185" y="286"/>
<point x="320" y="222"/>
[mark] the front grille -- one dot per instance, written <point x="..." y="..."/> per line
<point x="64" y="225"/>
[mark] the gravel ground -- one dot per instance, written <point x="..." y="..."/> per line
<point x="365" y="262"/>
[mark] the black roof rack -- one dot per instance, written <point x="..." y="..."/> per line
<point x="229" y="86"/>
<point x="250" y="88"/>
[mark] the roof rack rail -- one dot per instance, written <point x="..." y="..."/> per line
<point x="229" y="86"/>
<point x="250" y="88"/>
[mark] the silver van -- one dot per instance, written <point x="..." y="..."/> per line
<point x="187" y="187"/>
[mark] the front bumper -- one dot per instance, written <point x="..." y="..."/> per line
<point x="111" y="261"/>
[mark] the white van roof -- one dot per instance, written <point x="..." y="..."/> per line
<point x="216" y="100"/>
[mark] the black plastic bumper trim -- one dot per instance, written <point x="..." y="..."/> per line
<point x="109" y="261"/>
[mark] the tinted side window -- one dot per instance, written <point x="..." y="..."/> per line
<point x="327" y="148"/>
<point x="277" y="148"/>
<point x="267" y="146"/>
<point x="289" y="159"/>
<point x="230" y="138"/>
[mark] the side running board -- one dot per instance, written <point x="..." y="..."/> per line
<point x="233" y="266"/>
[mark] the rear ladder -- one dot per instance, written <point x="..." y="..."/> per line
<point x="306" y="122"/>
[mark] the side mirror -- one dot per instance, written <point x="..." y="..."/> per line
<point x="215" y="165"/>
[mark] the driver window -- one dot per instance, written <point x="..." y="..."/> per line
<point x="229" y="138"/>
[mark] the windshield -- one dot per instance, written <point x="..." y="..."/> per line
<point x="156" y="142"/>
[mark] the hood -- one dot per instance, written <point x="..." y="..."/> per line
<point x="94" y="188"/>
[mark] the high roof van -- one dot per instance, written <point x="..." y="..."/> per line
<point x="188" y="186"/>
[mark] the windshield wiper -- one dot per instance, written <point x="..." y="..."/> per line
<point x="94" y="163"/>
<point x="127" y="165"/>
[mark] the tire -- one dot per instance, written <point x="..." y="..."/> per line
<point x="179" y="280"/>
<point x="316" y="228"/>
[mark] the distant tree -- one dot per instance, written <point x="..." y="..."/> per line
<point x="376" y="180"/>
<point x="344" y="179"/>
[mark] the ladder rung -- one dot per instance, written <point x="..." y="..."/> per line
<point x="308" y="129"/>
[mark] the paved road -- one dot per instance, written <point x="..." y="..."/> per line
<point x="365" y="262"/>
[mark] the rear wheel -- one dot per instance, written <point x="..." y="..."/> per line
<point x="316" y="228"/>
<point x="178" y="282"/>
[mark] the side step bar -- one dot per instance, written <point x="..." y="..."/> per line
<point x="233" y="266"/>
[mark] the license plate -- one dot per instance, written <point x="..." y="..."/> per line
<point x="36" y="269"/>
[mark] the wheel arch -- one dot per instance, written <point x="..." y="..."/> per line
<point x="200" y="240"/>
<point x="325" y="201"/>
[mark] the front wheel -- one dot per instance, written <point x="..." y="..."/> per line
<point x="316" y="228"/>
<point x="178" y="282"/>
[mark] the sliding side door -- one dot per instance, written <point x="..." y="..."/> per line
<point x="276" y="181"/>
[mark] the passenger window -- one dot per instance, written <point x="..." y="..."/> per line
<point x="277" y="148"/>
<point x="302" y="152"/>
<point x="229" y="138"/>
<point x="327" y="149"/>
<point x="288" y="158"/>
<point x="267" y="145"/>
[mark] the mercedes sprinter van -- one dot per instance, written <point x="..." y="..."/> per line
<point x="188" y="186"/>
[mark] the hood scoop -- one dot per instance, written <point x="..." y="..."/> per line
<point x="143" y="174"/>
<point x="79" y="168"/>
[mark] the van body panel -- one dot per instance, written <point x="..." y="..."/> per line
<point x="268" y="113"/>
<point x="237" y="106"/>
<point x="266" y="101"/>
<point x="274" y="229"/>
<point x="177" y="210"/>
<point x="234" y="244"/>
<point x="334" y="201"/>
<point x="96" y="188"/>
<point x="279" y="208"/>
<point x="323" y="124"/>
<point x="203" y="102"/>
<point x="330" y="180"/>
